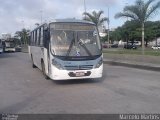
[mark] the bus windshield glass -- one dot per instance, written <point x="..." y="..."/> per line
<point x="74" y="39"/>
<point x="9" y="44"/>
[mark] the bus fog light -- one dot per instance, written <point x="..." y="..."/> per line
<point x="99" y="63"/>
<point x="57" y="64"/>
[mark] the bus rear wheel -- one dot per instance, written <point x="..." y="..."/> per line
<point x="43" y="70"/>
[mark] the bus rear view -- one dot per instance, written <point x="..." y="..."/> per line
<point x="74" y="51"/>
<point x="9" y="46"/>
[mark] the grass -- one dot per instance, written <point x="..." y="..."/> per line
<point x="131" y="51"/>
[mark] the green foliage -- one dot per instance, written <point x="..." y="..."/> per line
<point x="23" y="35"/>
<point x="17" y="41"/>
<point x="141" y="11"/>
<point x="115" y="36"/>
<point x="104" y="39"/>
<point x="95" y="17"/>
<point x="131" y="31"/>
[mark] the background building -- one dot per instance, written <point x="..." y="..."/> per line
<point x="102" y="31"/>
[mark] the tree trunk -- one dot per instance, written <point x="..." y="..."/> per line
<point x="143" y="47"/>
<point x="146" y="44"/>
<point x="98" y="31"/>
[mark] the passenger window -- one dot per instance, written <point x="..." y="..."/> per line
<point x="35" y="37"/>
<point x="41" y="37"/>
<point x="32" y="38"/>
<point x="37" y="42"/>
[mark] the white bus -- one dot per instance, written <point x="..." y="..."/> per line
<point x="67" y="49"/>
<point x="9" y="45"/>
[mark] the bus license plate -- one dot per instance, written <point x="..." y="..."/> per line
<point x="78" y="74"/>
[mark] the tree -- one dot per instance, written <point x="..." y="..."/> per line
<point x="133" y="30"/>
<point x="116" y="35"/>
<point x="140" y="11"/>
<point x="95" y="17"/>
<point x="23" y="35"/>
<point x="130" y="31"/>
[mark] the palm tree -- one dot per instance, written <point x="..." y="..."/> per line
<point x="23" y="35"/>
<point x="95" y="17"/>
<point x="141" y="11"/>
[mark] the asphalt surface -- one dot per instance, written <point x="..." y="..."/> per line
<point x="122" y="90"/>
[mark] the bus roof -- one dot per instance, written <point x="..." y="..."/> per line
<point x="72" y="21"/>
<point x="65" y="21"/>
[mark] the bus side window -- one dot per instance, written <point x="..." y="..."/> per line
<point x="37" y="42"/>
<point x="41" y="36"/>
<point x="34" y="41"/>
<point x="32" y="38"/>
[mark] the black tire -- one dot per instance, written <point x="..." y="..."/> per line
<point x="33" y="65"/>
<point x="43" y="71"/>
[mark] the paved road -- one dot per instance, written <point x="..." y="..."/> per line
<point x="123" y="90"/>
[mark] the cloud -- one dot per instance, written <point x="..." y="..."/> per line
<point x="13" y="12"/>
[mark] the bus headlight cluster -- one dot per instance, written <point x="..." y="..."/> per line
<point x="99" y="63"/>
<point x="57" y="64"/>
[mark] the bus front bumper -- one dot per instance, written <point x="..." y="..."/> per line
<point x="76" y="74"/>
<point x="10" y="49"/>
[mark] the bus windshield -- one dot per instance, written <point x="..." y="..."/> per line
<point x="74" y="39"/>
<point x="9" y="44"/>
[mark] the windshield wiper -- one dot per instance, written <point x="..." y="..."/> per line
<point x="70" y="47"/>
<point x="80" y="43"/>
<point x="85" y="48"/>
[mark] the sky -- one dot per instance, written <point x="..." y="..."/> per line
<point x="18" y="14"/>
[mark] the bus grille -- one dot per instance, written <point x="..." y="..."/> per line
<point x="80" y="67"/>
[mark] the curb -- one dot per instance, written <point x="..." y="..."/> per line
<point x="144" y="67"/>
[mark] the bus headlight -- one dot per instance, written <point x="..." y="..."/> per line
<point x="99" y="63"/>
<point x="57" y="64"/>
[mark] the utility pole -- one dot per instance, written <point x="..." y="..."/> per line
<point x="22" y="37"/>
<point x="85" y="8"/>
<point x="108" y="28"/>
<point x="41" y="12"/>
